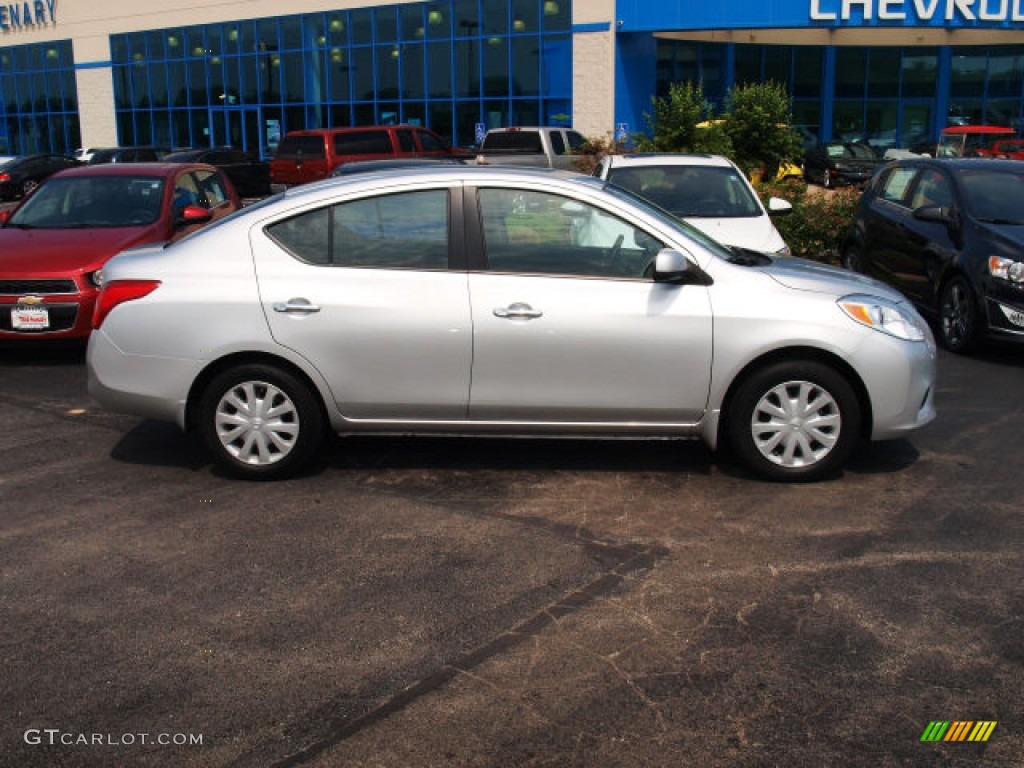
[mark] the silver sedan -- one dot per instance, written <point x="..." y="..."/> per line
<point x="500" y="301"/>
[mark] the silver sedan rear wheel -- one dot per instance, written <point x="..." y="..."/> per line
<point x="257" y="423"/>
<point x="260" y="421"/>
<point x="794" y="420"/>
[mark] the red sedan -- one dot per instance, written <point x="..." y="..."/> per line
<point x="53" y="246"/>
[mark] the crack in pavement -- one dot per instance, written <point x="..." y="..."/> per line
<point x="629" y="559"/>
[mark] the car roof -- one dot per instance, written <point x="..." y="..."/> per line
<point x="958" y="129"/>
<point x="442" y="172"/>
<point x="132" y="169"/>
<point x="963" y="163"/>
<point x="669" y="158"/>
<point x="363" y="166"/>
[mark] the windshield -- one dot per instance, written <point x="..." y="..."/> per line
<point x="994" y="197"/>
<point x="92" y="201"/>
<point x="690" y="191"/>
<point x="673" y="222"/>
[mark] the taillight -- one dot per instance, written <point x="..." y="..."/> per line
<point x="5" y="177"/>
<point x="118" y="292"/>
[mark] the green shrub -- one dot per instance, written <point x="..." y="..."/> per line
<point x="758" y="123"/>
<point x="819" y="220"/>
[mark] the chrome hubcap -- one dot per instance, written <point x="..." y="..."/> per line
<point x="796" y="424"/>
<point x="257" y="423"/>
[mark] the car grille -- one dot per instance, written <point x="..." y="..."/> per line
<point x="62" y="317"/>
<point x="23" y="287"/>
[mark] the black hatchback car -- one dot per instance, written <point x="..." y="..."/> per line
<point x="838" y="163"/>
<point x="949" y="233"/>
<point x="20" y="175"/>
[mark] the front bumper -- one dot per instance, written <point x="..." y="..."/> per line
<point x="68" y="315"/>
<point x="1005" y="318"/>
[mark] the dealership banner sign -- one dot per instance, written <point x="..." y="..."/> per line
<point x="923" y="11"/>
<point x="23" y="15"/>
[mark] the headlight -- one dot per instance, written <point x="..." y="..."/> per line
<point x="96" y="278"/>
<point x="1006" y="269"/>
<point x="884" y="316"/>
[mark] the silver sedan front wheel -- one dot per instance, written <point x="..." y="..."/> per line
<point x="260" y="421"/>
<point x="794" y="420"/>
<point x="796" y="424"/>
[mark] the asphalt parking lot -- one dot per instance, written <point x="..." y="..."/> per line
<point x="506" y="603"/>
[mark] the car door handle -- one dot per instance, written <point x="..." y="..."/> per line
<point x="296" y="306"/>
<point x="518" y="311"/>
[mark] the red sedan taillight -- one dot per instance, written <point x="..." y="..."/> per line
<point x="5" y="177"/>
<point x="118" y="292"/>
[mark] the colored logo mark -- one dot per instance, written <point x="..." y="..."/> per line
<point x="959" y="730"/>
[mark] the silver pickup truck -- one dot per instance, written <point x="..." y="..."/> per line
<point x="534" y="146"/>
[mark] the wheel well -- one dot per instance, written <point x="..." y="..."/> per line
<point x="795" y="354"/>
<point x="245" y="358"/>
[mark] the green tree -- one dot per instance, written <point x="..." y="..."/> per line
<point x="675" y="119"/>
<point x="758" y="122"/>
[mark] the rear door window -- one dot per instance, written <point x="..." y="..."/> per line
<point x="431" y="143"/>
<point x="557" y="142"/>
<point x="402" y="231"/>
<point x="406" y="142"/>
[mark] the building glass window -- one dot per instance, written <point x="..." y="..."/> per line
<point x="38" y="99"/>
<point x="447" y="64"/>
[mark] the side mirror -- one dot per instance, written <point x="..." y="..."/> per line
<point x="193" y="214"/>
<point x="934" y="213"/>
<point x="675" y="268"/>
<point x="779" y="207"/>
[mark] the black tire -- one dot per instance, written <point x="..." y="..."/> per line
<point x="959" y="319"/>
<point x="793" y="420"/>
<point x="27" y="186"/>
<point x="260" y="447"/>
<point x="853" y="259"/>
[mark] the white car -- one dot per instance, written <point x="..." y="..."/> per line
<point x="707" y="191"/>
<point x="83" y="154"/>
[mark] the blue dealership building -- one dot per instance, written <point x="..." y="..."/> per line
<point x="894" y="72"/>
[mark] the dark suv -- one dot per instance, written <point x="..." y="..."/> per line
<point x="312" y="155"/>
<point x="949" y="233"/>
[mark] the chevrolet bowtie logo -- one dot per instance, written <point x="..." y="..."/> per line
<point x="30" y="300"/>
